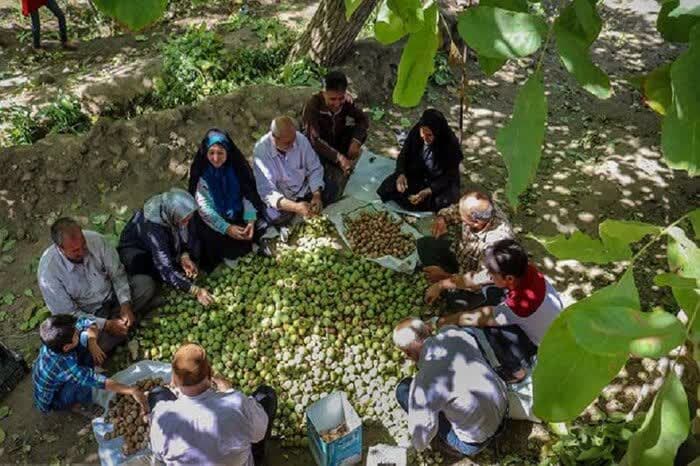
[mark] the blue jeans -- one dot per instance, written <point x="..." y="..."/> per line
<point x="446" y="433"/>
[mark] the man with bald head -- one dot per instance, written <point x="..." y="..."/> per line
<point x="459" y="267"/>
<point x="288" y="173"/>
<point x="455" y="397"/>
<point x="80" y="274"/>
<point x="205" y="421"/>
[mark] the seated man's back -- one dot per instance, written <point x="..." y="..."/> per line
<point x="210" y="428"/>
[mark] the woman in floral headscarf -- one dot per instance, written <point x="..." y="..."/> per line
<point x="159" y="241"/>
<point x="222" y="182"/>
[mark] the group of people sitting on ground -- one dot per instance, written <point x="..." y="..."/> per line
<point x="495" y="297"/>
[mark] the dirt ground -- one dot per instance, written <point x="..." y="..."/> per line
<point x="601" y="160"/>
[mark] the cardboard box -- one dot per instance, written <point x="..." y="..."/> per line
<point x="329" y="413"/>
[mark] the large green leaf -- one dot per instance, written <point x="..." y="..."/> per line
<point x="675" y="22"/>
<point x="417" y="61"/>
<point x="680" y="141"/>
<point x="520" y="140"/>
<point x="665" y="427"/>
<point x="567" y="377"/>
<point x="684" y="260"/>
<point x="389" y="27"/>
<point x="616" y="236"/>
<point x="411" y="12"/>
<point x="684" y="81"/>
<point x="611" y="330"/>
<point x="490" y="65"/>
<point x="656" y="88"/>
<point x="695" y="221"/>
<point x="577" y="246"/>
<point x="575" y="29"/>
<point x="498" y="33"/>
<point x="134" y="14"/>
<point x="350" y="7"/>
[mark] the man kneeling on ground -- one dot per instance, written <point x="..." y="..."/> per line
<point x="531" y="301"/>
<point x="63" y="375"/>
<point x="455" y="396"/>
<point x="207" y="426"/>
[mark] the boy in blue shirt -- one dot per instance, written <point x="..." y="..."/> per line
<point x="64" y="373"/>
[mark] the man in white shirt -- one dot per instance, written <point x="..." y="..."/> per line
<point x="80" y="274"/>
<point x="455" y="396"/>
<point x="288" y="173"/>
<point x="206" y="426"/>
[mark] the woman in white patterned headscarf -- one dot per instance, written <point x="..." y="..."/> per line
<point x="158" y="241"/>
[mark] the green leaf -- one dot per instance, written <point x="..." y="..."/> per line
<point x="411" y="12"/>
<point x="675" y="281"/>
<point x="578" y="246"/>
<point x="8" y="245"/>
<point x="490" y="65"/>
<point x="616" y="236"/>
<point x="561" y="362"/>
<point x="2" y="436"/>
<point x="665" y="427"/>
<point x="675" y="22"/>
<point x="350" y="7"/>
<point x="610" y="330"/>
<point x="99" y="219"/>
<point x="4" y="234"/>
<point x="8" y="298"/>
<point x="389" y="27"/>
<point x="656" y="88"/>
<point x="499" y="33"/>
<point x="684" y="80"/>
<point x="510" y="5"/>
<point x="417" y="61"/>
<point x="680" y="141"/>
<point x="520" y="140"/>
<point x="134" y="14"/>
<point x="575" y="29"/>
<point x="695" y="221"/>
<point x="4" y="412"/>
<point x="684" y="259"/>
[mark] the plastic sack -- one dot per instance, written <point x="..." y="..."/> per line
<point x="520" y="400"/>
<point x="110" y="451"/>
<point x="352" y="207"/>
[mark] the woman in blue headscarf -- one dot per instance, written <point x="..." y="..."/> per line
<point x="160" y="241"/>
<point x="221" y="180"/>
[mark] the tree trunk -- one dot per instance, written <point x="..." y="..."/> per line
<point x="329" y="36"/>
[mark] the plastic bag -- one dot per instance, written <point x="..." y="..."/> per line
<point x="110" y="451"/>
<point x="352" y="207"/>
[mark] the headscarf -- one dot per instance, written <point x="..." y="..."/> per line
<point x="169" y="210"/>
<point x="445" y="141"/>
<point x="223" y="182"/>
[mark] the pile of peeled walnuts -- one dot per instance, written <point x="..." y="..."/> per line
<point x="125" y="416"/>
<point x="376" y="234"/>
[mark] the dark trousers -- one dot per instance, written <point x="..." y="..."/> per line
<point x="387" y="192"/>
<point x="438" y="252"/>
<point x="445" y="433"/>
<point x="217" y="247"/>
<point x="142" y="290"/>
<point x="264" y="395"/>
<point x="334" y="178"/>
<point x="36" y="23"/>
<point x="506" y="348"/>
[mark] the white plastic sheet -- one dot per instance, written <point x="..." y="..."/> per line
<point x="369" y="173"/>
<point x="110" y="451"/>
<point x="352" y="207"/>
